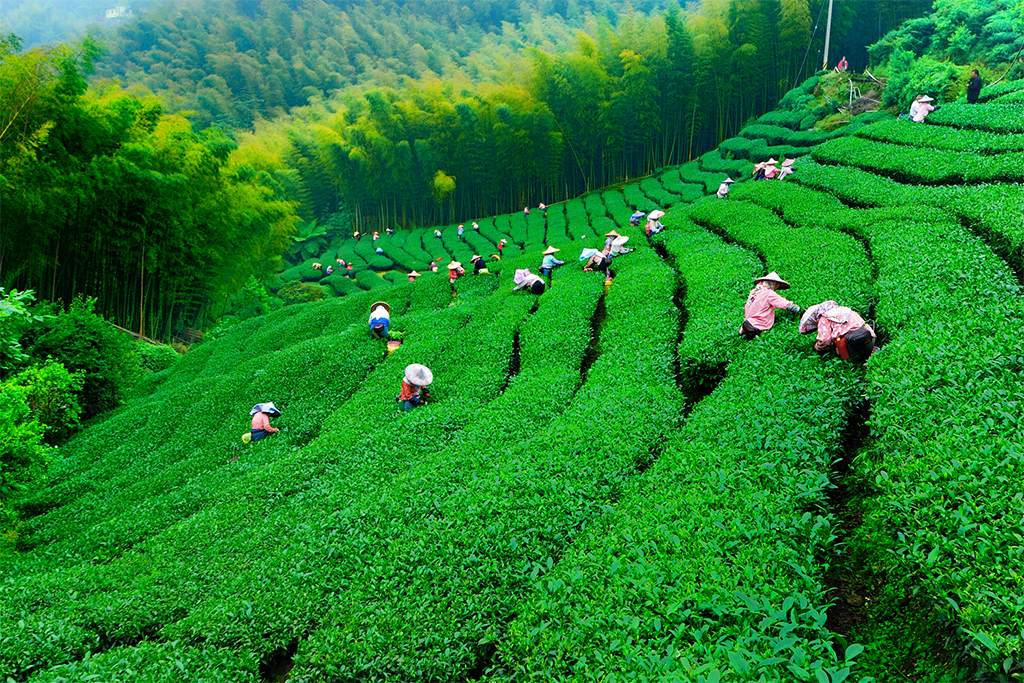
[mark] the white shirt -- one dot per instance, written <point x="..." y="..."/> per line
<point x="723" y="190"/>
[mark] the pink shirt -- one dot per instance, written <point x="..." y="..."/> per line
<point x="261" y="421"/>
<point x="846" y="320"/>
<point x="760" y="308"/>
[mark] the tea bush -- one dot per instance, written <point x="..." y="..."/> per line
<point x="993" y="117"/>
<point x="909" y="164"/>
<point x="712" y="555"/>
<point x="943" y="137"/>
<point x="652" y="188"/>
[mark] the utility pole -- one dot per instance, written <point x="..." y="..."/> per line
<point x="828" y="36"/>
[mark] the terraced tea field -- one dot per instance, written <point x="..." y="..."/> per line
<point x="605" y="485"/>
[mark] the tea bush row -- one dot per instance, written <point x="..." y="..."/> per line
<point x="929" y="266"/>
<point x="947" y="424"/>
<point x="943" y="137"/>
<point x="659" y="195"/>
<point x="688" y="192"/>
<point x="993" y="117"/>
<point x="790" y="248"/>
<point x="716" y="277"/>
<point x="911" y="164"/>
<point x="756" y="150"/>
<point x="992" y="210"/>
<point x="708" y="566"/>
<point x="712" y="162"/>
<point x="691" y="173"/>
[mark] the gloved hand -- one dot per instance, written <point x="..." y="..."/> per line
<point x="793" y="307"/>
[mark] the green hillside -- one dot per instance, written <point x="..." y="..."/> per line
<point x="608" y="483"/>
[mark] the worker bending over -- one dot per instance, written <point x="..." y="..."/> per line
<point x="261" y="414"/>
<point x="759" y="311"/>
<point x="414" y="386"/>
<point x="380" y="320"/>
<point x="842" y="330"/>
<point x="599" y="261"/>
<point x="524" y="279"/>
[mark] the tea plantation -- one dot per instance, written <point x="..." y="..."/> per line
<point x="607" y="484"/>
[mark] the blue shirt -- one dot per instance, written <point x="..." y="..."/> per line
<point x="550" y="262"/>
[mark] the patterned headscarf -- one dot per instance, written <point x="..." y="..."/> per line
<point x="809" y="320"/>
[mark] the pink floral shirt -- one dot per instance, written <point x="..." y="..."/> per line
<point x="760" y="308"/>
<point x="834" y="324"/>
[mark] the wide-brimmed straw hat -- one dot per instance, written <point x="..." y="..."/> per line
<point x="611" y="234"/>
<point x="550" y="250"/>
<point x="728" y="180"/>
<point x="788" y="162"/>
<point x="453" y="265"/>
<point x="927" y="99"/>
<point x="772" y="161"/>
<point x="414" y="274"/>
<point x="773" y="277"/>
<point x="375" y="304"/>
<point x="417" y="374"/>
<point x="476" y="257"/>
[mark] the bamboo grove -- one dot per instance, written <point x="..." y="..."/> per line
<point x="360" y="115"/>
<point x="106" y="196"/>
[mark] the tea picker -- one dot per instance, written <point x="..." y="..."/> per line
<point x="759" y="311"/>
<point x="549" y="262"/>
<point x="261" y="414"/>
<point x="841" y="329"/>
<point x="723" y="189"/>
<point x="524" y="279"/>
<point x="380" y="319"/>
<point x="414" y="386"/>
<point x="635" y="219"/>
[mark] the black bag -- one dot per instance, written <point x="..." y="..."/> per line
<point x="859" y="343"/>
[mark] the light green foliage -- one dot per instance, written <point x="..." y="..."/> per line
<point x="22" y="451"/>
<point x="15" y="316"/>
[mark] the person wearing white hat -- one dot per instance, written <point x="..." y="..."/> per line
<point x="460" y="230"/>
<point x="787" y="168"/>
<point x="771" y="170"/>
<point x="479" y="265"/>
<point x="414" y="386"/>
<point x="599" y="261"/>
<point x="549" y="262"/>
<point x="924" y="107"/>
<point x="380" y="319"/>
<point x="413" y="275"/>
<point x="524" y="279"/>
<point x="654" y="225"/>
<point x="261" y="414"/>
<point x="723" y="189"/>
<point x="759" y="311"/>
<point x="609" y="238"/>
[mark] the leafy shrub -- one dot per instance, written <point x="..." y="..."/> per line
<point x="83" y="342"/>
<point x="301" y="293"/>
<point x="15" y="316"/>
<point x="23" y="455"/>
<point x="154" y="357"/>
<point x="658" y="194"/>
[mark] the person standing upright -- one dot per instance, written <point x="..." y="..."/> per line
<point x="974" y="87"/>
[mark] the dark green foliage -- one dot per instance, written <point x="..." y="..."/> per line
<point x="84" y="343"/>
